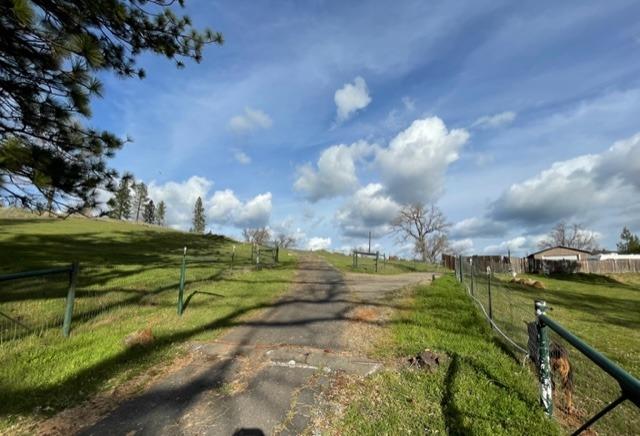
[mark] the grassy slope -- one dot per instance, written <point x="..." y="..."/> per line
<point x="367" y="264"/>
<point x="480" y="390"/>
<point x="128" y="281"/>
<point x="603" y="311"/>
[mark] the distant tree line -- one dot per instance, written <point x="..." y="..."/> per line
<point x="629" y="242"/>
<point x="131" y="201"/>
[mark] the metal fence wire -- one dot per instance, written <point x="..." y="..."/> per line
<point x="581" y="389"/>
<point x="507" y="310"/>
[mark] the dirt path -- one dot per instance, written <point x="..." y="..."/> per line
<point x="263" y="376"/>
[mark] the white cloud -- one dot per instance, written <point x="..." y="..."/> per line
<point x="242" y="157"/>
<point x="494" y="121"/>
<point x="575" y="187"/>
<point x="369" y="209"/>
<point x="335" y="173"/>
<point x="478" y="227"/>
<point x="621" y="163"/>
<point x="351" y="98"/>
<point x="223" y="207"/>
<point x="462" y="246"/>
<point x="564" y="190"/>
<point x="516" y="245"/>
<point x="317" y="243"/>
<point x="255" y="212"/>
<point x="180" y="198"/>
<point x="414" y="164"/>
<point x="251" y="120"/>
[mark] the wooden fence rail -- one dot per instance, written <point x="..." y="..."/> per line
<point x="519" y="265"/>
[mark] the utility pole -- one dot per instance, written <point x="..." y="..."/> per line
<point x="369" y="241"/>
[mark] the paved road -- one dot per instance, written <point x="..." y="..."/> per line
<point x="262" y="377"/>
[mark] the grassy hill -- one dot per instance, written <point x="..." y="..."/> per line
<point x="128" y="281"/>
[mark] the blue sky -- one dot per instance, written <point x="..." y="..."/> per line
<point x="322" y="118"/>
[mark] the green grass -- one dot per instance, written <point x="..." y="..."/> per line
<point x="479" y="390"/>
<point x="128" y="281"/>
<point x="604" y="311"/>
<point x="367" y="264"/>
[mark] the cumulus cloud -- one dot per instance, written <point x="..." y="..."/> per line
<point x="574" y="187"/>
<point x="251" y="120"/>
<point x="317" y="243"/>
<point x="369" y="209"/>
<point x="335" y="173"/>
<point x="255" y="212"/>
<point x="514" y="245"/>
<point x="494" y="121"/>
<point x="478" y="227"/>
<point x="413" y="166"/>
<point x="242" y="157"/>
<point x="621" y="163"/>
<point x="180" y="198"/>
<point x="462" y="246"/>
<point x="351" y="98"/>
<point x="223" y="207"/>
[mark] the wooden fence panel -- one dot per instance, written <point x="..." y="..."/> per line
<point x="609" y="266"/>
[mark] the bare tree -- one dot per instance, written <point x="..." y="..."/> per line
<point x="258" y="236"/>
<point x="284" y="240"/>
<point x="426" y="226"/>
<point x="570" y="235"/>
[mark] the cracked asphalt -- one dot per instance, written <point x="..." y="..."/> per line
<point x="263" y="377"/>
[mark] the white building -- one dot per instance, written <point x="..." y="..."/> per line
<point x="614" y="256"/>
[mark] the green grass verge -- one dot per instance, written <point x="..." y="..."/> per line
<point x="602" y="310"/>
<point x="367" y="264"/>
<point x="128" y="281"/>
<point x="479" y="390"/>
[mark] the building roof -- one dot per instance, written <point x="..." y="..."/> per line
<point x="560" y="246"/>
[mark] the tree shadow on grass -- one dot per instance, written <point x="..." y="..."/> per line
<point x="452" y="414"/>
<point x="88" y="380"/>
<point x="190" y="297"/>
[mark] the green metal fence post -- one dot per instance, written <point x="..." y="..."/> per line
<point x="71" y="296"/>
<point x="277" y="253"/>
<point x="377" y="255"/>
<point x="182" y="278"/>
<point x="489" y="291"/>
<point x="544" y="368"/>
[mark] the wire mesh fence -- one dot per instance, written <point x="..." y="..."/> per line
<point x="506" y="308"/>
<point x="35" y="306"/>
<point x="581" y="388"/>
<point x="32" y="306"/>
